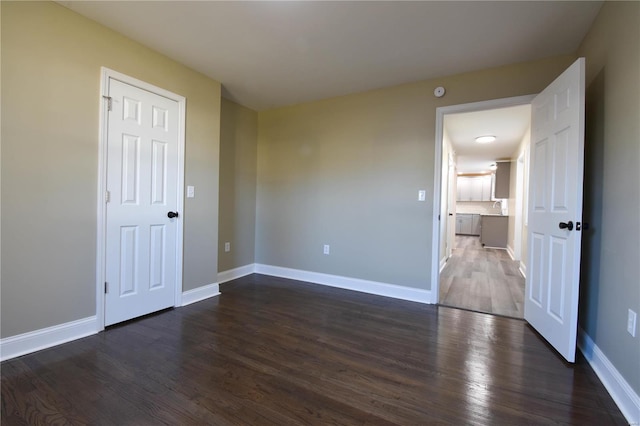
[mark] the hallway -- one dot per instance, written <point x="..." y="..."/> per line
<point x="483" y="280"/>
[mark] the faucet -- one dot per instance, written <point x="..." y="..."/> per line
<point x="499" y="202"/>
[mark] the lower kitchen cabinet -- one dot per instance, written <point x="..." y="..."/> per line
<point x="494" y="231"/>
<point x="475" y="224"/>
<point x="467" y="224"/>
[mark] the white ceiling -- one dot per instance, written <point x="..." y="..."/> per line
<point x="508" y="125"/>
<point x="269" y="54"/>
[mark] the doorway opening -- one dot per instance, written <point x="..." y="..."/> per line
<point x="481" y="250"/>
<point x="553" y="218"/>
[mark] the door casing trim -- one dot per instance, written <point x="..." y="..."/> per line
<point x="101" y="223"/>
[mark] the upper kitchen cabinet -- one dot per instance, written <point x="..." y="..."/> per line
<point x="487" y="186"/>
<point x="463" y="189"/>
<point x="474" y="188"/>
<point x="503" y="176"/>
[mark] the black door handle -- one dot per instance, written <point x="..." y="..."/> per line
<point x="450" y="214"/>
<point x="568" y="225"/>
<point x="171" y="215"/>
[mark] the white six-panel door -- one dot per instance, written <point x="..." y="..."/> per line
<point x="142" y="187"/>
<point x="555" y="206"/>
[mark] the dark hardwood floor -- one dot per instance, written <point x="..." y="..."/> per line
<point x="271" y="351"/>
<point x="482" y="279"/>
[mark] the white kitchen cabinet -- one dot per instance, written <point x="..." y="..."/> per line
<point x="474" y="188"/>
<point x="487" y="188"/>
<point x="464" y="189"/>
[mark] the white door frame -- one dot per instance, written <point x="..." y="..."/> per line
<point x="437" y="180"/>
<point x="517" y="229"/>
<point x="106" y="74"/>
<point x="451" y="205"/>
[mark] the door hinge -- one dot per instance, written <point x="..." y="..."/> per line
<point x="109" y="102"/>
<point x="106" y="288"/>
<point x="107" y="196"/>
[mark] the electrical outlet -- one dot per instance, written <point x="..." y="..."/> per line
<point x="191" y="191"/>
<point x="631" y="323"/>
<point x="326" y="249"/>
<point x="227" y="247"/>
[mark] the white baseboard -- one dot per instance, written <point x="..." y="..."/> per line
<point x="200" y="293"/>
<point x="372" y="287"/>
<point x="523" y="269"/>
<point x="44" y="338"/>
<point x="623" y="395"/>
<point x="33" y="341"/>
<point x="232" y="274"/>
<point x="495" y="248"/>
<point x="443" y="263"/>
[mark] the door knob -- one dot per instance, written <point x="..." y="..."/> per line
<point x="171" y="215"/>
<point x="568" y="225"/>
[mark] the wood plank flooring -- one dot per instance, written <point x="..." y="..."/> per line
<point x="271" y="351"/>
<point x="482" y="279"/>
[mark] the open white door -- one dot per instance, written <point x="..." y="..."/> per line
<point x="555" y="210"/>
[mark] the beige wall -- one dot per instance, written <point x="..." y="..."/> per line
<point x="611" y="248"/>
<point x="51" y="59"/>
<point x="238" y="153"/>
<point x="346" y="172"/>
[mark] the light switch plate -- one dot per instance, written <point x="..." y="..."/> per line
<point x="191" y="191"/>
<point x="422" y="195"/>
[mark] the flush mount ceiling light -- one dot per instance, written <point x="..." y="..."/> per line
<point x="485" y="139"/>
